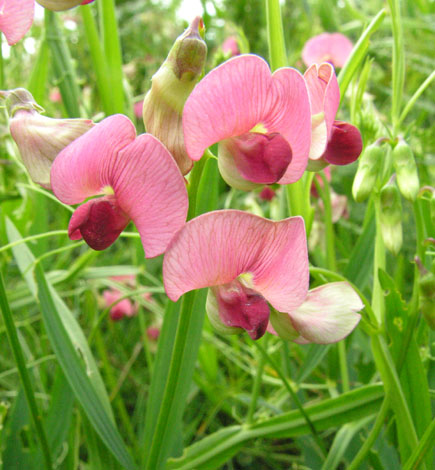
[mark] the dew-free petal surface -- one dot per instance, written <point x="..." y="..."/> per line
<point x="328" y="314"/>
<point x="150" y="188"/>
<point x="327" y="47"/>
<point x="16" y="18"/>
<point x="85" y="167"/>
<point x="229" y="101"/>
<point x="216" y="247"/>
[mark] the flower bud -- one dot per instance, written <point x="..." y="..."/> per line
<point x="391" y="217"/>
<point x="171" y="85"/>
<point x="61" y="5"/>
<point x="406" y="170"/>
<point x="39" y="138"/>
<point x="367" y="173"/>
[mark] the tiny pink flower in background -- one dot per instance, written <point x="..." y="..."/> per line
<point x="257" y="271"/>
<point x="55" y="96"/>
<point x="260" y="120"/>
<point x="121" y="308"/>
<point x="267" y="194"/>
<point x="153" y="333"/>
<point x="16" y="18"/>
<point x="137" y="108"/>
<point x="136" y="178"/>
<point x="335" y="142"/>
<point x="230" y="46"/>
<point x="327" y="47"/>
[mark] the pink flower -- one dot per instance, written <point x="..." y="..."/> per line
<point x="136" y="178"/>
<point x="260" y="120"/>
<point x="267" y="194"/>
<point x="327" y="47"/>
<point x="257" y="271"/>
<point x="230" y="46"/>
<point x="121" y="308"/>
<point x="137" y="108"/>
<point x="332" y="141"/>
<point x="16" y="17"/>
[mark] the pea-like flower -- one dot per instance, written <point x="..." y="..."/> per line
<point x="327" y="47"/>
<point x="136" y="178"/>
<point x="257" y="271"/>
<point x="261" y="121"/>
<point x="335" y="142"/>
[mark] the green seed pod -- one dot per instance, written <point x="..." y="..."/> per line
<point x="427" y="299"/>
<point x="391" y="218"/>
<point x="406" y="170"/>
<point x="367" y="173"/>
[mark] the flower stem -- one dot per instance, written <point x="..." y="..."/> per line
<point x="23" y="373"/>
<point x="275" y="35"/>
<point x="257" y="384"/>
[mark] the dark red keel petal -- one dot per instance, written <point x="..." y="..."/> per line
<point x="241" y="307"/>
<point x="260" y="158"/>
<point x="99" y="222"/>
<point x="345" y="145"/>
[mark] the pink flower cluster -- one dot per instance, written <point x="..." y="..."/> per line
<point x="268" y="127"/>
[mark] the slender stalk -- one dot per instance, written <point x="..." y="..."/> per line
<point x="398" y="68"/>
<point x="54" y="233"/>
<point x="257" y="385"/>
<point x="378" y="303"/>
<point x="98" y="60"/>
<point x="424" y="446"/>
<point x="293" y="396"/>
<point x="275" y="35"/>
<point x="23" y="373"/>
<point x="325" y="194"/>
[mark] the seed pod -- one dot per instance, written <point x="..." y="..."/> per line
<point x="406" y="170"/>
<point x="367" y="173"/>
<point x="391" y="217"/>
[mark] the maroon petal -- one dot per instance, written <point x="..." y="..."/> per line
<point x="345" y="145"/>
<point x="99" y="222"/>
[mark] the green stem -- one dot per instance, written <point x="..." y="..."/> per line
<point x="325" y="194"/>
<point x="257" y="385"/>
<point x="374" y="433"/>
<point x="293" y="396"/>
<point x="62" y="65"/>
<point x="194" y="179"/>
<point x="398" y="67"/>
<point x="24" y="376"/>
<point x="112" y="49"/>
<point x="295" y="198"/>
<point x="275" y="35"/>
<point x="54" y="233"/>
<point x="415" y="96"/>
<point x="378" y="303"/>
<point x="424" y="446"/>
<point x="98" y="60"/>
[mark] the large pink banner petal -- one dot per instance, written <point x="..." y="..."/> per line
<point x="149" y="187"/>
<point x="216" y="247"/>
<point x="16" y="18"/>
<point x="84" y="168"/>
<point x="227" y="102"/>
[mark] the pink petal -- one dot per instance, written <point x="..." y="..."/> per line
<point x="328" y="314"/>
<point x="292" y="119"/>
<point x="345" y="144"/>
<point x="215" y="248"/>
<point x="150" y="188"/>
<point x="227" y="102"/>
<point x="324" y="98"/>
<point x="334" y="48"/>
<point x="16" y="18"/>
<point x="99" y="221"/>
<point x="85" y="167"/>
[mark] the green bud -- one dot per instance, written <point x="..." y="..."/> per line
<point x="391" y="217"/>
<point x="368" y="168"/>
<point x="283" y="325"/>
<point x="212" y="309"/>
<point x="427" y="298"/>
<point x="171" y="85"/>
<point x="18" y="99"/>
<point x="406" y="170"/>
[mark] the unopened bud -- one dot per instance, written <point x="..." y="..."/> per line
<point x="170" y="88"/>
<point x="39" y="138"/>
<point x="283" y="325"/>
<point x="61" y="5"/>
<point x="391" y="217"/>
<point x="367" y="173"/>
<point x="406" y="170"/>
